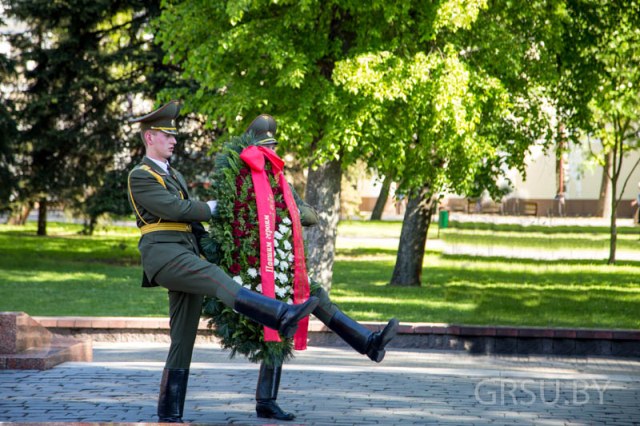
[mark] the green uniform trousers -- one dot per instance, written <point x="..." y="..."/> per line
<point x="188" y="279"/>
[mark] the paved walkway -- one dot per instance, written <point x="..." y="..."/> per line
<point x="327" y="386"/>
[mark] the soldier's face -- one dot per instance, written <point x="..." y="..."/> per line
<point x="159" y="144"/>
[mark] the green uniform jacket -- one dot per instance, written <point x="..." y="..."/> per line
<point x="154" y="203"/>
<point x="308" y="215"/>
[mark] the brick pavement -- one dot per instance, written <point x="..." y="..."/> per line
<point x="334" y="386"/>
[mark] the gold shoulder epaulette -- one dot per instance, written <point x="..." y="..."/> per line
<point x="154" y="174"/>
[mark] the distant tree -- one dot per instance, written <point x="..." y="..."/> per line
<point x="68" y="118"/>
<point x="381" y="201"/>
<point x="85" y="66"/>
<point x="8" y="131"/>
<point x="604" y="48"/>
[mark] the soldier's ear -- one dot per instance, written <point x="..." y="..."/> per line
<point x="147" y="135"/>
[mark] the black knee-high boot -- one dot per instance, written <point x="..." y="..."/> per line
<point x="267" y="393"/>
<point x="356" y="335"/>
<point x="173" y="389"/>
<point x="273" y="313"/>
<point x="361" y="338"/>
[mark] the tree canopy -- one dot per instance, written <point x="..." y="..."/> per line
<point x="414" y="88"/>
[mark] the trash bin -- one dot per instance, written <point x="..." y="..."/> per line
<point x="443" y="219"/>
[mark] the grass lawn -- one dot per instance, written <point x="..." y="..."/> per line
<point x="69" y="274"/>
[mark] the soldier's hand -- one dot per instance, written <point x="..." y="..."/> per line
<point x="213" y="205"/>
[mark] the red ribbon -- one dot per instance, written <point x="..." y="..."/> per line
<point x="255" y="157"/>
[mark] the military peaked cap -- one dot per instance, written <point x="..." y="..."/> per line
<point x="264" y="129"/>
<point x="162" y="119"/>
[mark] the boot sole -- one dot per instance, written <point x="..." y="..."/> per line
<point x="267" y="413"/>
<point x="272" y="416"/>
<point x="388" y="333"/>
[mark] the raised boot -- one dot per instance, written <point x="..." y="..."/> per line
<point x="361" y="338"/>
<point x="273" y="313"/>
<point x="173" y="389"/>
<point x="267" y="393"/>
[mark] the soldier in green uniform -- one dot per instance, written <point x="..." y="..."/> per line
<point x="353" y="333"/>
<point x="167" y="217"/>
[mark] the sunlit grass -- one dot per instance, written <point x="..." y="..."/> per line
<point x="70" y="274"/>
<point x="537" y="237"/>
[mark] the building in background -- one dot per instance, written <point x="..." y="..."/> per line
<point x="536" y="193"/>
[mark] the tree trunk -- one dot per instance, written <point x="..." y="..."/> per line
<point x="42" y="217"/>
<point x="89" y="225"/>
<point x="613" y="225"/>
<point x="605" y="197"/>
<point x="560" y="178"/>
<point x="613" y="236"/>
<point x="376" y="214"/>
<point x="413" y="237"/>
<point x="20" y="217"/>
<point x="323" y="193"/>
<point x="616" y="165"/>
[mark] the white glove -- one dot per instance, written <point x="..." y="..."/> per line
<point x="212" y="205"/>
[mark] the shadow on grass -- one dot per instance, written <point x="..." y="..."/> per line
<point x="544" y="229"/>
<point x="375" y="251"/>
<point x="468" y="294"/>
<point x="536" y="262"/>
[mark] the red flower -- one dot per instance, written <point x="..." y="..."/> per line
<point x="252" y="260"/>
<point x="239" y="182"/>
<point x="237" y="242"/>
<point x="237" y="232"/>
<point x="235" y="268"/>
<point x="244" y="172"/>
<point x="239" y="206"/>
<point x="280" y="205"/>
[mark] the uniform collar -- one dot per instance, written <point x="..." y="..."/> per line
<point x="158" y="166"/>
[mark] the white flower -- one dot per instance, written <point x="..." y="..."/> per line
<point x="284" y="265"/>
<point x="281" y="292"/>
<point x="282" y="278"/>
<point x="282" y="254"/>
<point x="283" y="229"/>
<point x="287" y="245"/>
<point x="276" y="243"/>
<point x="247" y="286"/>
<point x="286" y="221"/>
<point x="290" y="258"/>
<point x="276" y="262"/>
<point x="238" y="279"/>
<point x="259" y="288"/>
<point x="253" y="272"/>
<point x="277" y="235"/>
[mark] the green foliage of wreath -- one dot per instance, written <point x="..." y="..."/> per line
<point x="233" y="244"/>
